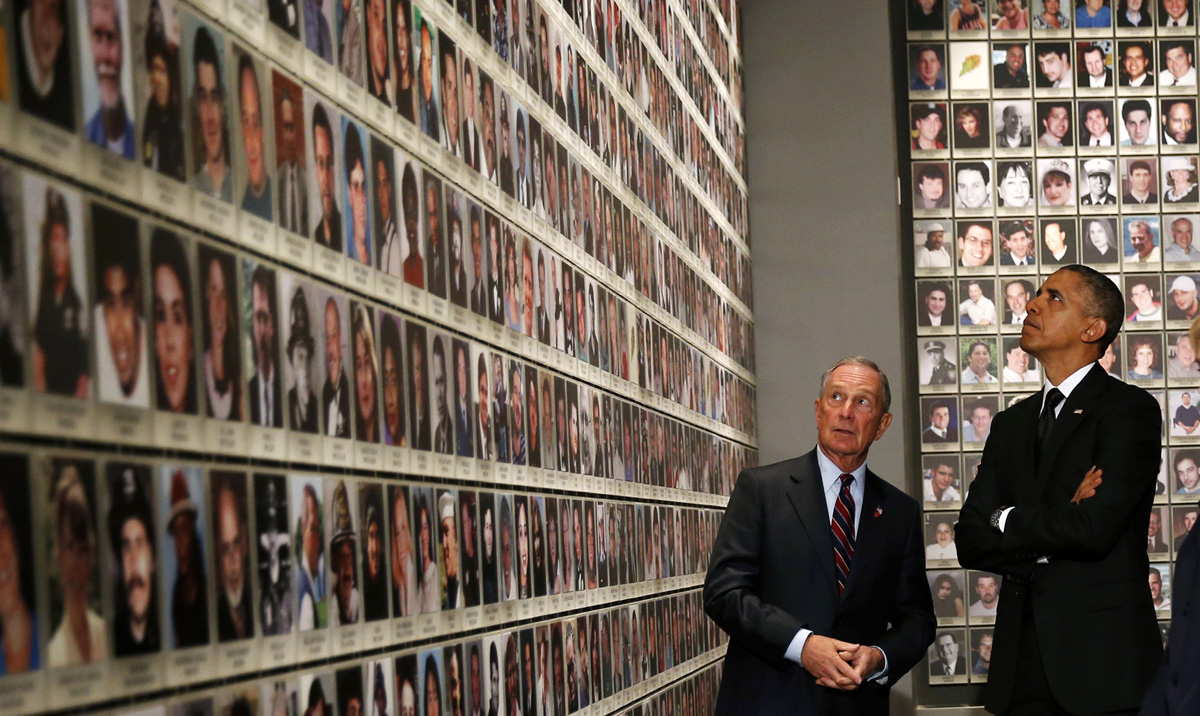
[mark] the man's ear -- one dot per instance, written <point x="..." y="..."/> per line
<point x="1095" y="330"/>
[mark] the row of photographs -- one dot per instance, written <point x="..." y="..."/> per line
<point x="947" y="427"/>
<point x="1020" y="245"/>
<point x="1011" y="18"/>
<point x="210" y="571"/>
<point x="182" y="43"/>
<point x="1087" y="124"/>
<point x="722" y="44"/>
<point x="989" y="363"/>
<point x="541" y="670"/>
<point x="1163" y="540"/>
<point x="1087" y="68"/>
<point x="153" y="318"/>
<point x="945" y="485"/>
<point x="345" y="200"/>
<point x="1054" y="185"/>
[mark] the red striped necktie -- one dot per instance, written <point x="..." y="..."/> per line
<point x="843" y="532"/>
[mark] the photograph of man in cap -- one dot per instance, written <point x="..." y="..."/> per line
<point x="1179" y="176"/>
<point x="80" y="634"/>
<point x="347" y="600"/>
<point x="133" y="569"/>
<point x="1183" y="306"/>
<point x="933" y="253"/>
<point x="374" y="562"/>
<point x="452" y="592"/>
<point x="1099" y="174"/>
<point x="188" y="601"/>
<point x="274" y="554"/>
<point x="302" y="400"/>
<point x="235" y="619"/>
<point x="943" y="372"/>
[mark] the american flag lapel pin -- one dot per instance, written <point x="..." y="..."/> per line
<point x="1079" y="411"/>
<point x="878" y="511"/>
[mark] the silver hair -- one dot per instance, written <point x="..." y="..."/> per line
<point x="866" y="363"/>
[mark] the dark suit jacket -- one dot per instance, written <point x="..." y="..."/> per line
<point x="1173" y="691"/>
<point x="256" y="408"/>
<point x="937" y="668"/>
<point x="923" y="318"/>
<point x="1095" y="623"/>
<point x="772" y="573"/>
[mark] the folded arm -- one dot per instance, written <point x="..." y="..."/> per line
<point x="979" y="545"/>
<point x="1128" y="453"/>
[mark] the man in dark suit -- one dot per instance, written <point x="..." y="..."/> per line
<point x="1173" y="693"/>
<point x="807" y="629"/>
<point x="266" y="408"/>
<point x="946" y="660"/>
<point x="941" y="428"/>
<point x="1094" y="72"/>
<point x="1075" y="631"/>
<point x="937" y="296"/>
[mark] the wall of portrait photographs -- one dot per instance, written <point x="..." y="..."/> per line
<point x="364" y="352"/>
<point x="1043" y="133"/>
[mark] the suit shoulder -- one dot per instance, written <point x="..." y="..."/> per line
<point x="1128" y="396"/>
<point x="766" y="474"/>
<point x="897" y="497"/>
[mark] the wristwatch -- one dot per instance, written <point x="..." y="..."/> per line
<point x="996" y="517"/>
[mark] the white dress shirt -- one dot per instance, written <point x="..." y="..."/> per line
<point x="1069" y="384"/>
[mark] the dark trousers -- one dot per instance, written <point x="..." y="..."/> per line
<point x="1032" y="696"/>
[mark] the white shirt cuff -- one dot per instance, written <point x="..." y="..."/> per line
<point x="1004" y="517"/>
<point x="882" y="675"/>
<point x="796" y="648"/>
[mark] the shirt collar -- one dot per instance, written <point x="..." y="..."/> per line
<point x="831" y="473"/>
<point x="1069" y="384"/>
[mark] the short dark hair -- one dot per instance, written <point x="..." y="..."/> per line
<point x="931" y="171"/>
<point x="1088" y="107"/>
<point x="1134" y="105"/>
<point x="354" y="150"/>
<point x="1139" y="164"/>
<point x="980" y="167"/>
<point x="320" y="120"/>
<point x="1106" y="301"/>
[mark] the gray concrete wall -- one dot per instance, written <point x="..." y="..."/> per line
<point x="824" y="220"/>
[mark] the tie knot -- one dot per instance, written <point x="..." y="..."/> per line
<point x="1053" y="398"/>
<point x="846" y="479"/>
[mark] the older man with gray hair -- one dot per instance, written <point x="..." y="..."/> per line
<point x="818" y="573"/>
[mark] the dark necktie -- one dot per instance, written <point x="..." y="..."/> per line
<point x="843" y="532"/>
<point x="1046" y="421"/>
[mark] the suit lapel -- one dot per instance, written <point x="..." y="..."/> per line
<point x="1073" y="413"/>
<point x="868" y="532"/>
<point x="807" y="496"/>
<point x="1026" y="489"/>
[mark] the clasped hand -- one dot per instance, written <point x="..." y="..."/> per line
<point x="837" y="664"/>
